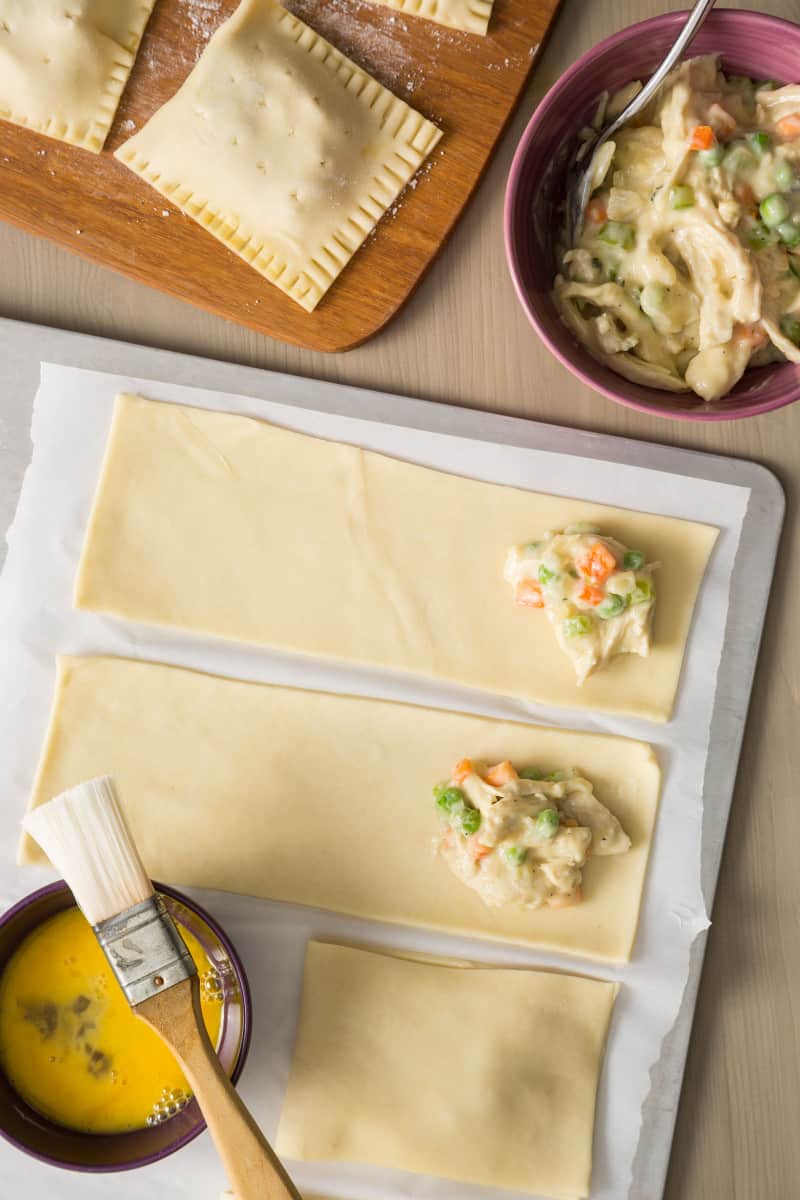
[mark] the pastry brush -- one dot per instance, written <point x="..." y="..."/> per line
<point x="86" y="837"/>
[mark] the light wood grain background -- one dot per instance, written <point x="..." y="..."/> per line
<point x="463" y="340"/>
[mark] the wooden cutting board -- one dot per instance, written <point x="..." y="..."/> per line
<point x="94" y="206"/>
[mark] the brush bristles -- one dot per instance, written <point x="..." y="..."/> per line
<point x="86" y="837"/>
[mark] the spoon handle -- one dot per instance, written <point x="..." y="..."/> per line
<point x="696" y="18"/>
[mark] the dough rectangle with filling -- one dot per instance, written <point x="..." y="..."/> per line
<point x="473" y="16"/>
<point x="282" y="148"/>
<point x="230" y="526"/>
<point x="327" y="800"/>
<point x="477" y="1074"/>
<point x="64" y="64"/>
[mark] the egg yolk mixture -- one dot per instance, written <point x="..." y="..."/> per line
<point x="69" y="1042"/>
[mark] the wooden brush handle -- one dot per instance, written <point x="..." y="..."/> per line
<point x="254" y="1170"/>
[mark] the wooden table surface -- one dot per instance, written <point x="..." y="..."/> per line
<point x="464" y="340"/>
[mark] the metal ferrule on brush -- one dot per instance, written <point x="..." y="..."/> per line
<point x="145" y="950"/>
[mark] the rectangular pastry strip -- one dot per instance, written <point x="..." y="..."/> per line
<point x="327" y="800"/>
<point x="476" y="1074"/>
<point x="282" y="148"/>
<point x="324" y="548"/>
<point x="64" y="65"/>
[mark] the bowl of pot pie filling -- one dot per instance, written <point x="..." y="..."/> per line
<point x="681" y="294"/>
<point x="84" y="1084"/>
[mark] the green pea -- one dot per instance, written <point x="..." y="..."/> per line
<point x="761" y="142"/>
<point x="774" y="210"/>
<point x="557" y="776"/>
<point x="633" y="560"/>
<point x="784" y="175"/>
<point x="514" y="855"/>
<point x="617" y="233"/>
<point x="713" y="157"/>
<point x="470" y="821"/>
<point x="447" y="797"/>
<point x="532" y="773"/>
<point x="546" y="575"/>
<point x="547" y="823"/>
<point x="613" y="274"/>
<point x="612" y="606"/>
<point x="643" y="592"/>
<point x="790" y="327"/>
<point x="577" y="626"/>
<point x="789" y="233"/>
<point x="682" y="196"/>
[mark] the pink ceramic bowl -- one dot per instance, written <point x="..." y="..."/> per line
<point x="750" y="44"/>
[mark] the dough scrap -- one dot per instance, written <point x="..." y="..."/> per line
<point x="470" y="15"/>
<point x="282" y="148"/>
<point x="64" y="64"/>
<point x="321" y="799"/>
<point x="477" y="1074"/>
<point x="226" y="525"/>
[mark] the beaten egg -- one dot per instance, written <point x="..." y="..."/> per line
<point x="69" y="1042"/>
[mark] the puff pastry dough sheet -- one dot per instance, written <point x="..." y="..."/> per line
<point x="64" y="64"/>
<point x="282" y="148"/>
<point x="478" y="1074"/>
<point x="327" y="800"/>
<point x="471" y="15"/>
<point x="226" y="525"/>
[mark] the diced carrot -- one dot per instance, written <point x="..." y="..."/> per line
<point x="723" y="124"/>
<point x="591" y="594"/>
<point x="462" y="770"/>
<point x="789" y="127"/>
<point x="503" y="773"/>
<point x="568" y="901"/>
<point x="702" y="138"/>
<point x="571" y="823"/>
<point x="754" y="335"/>
<point x="477" y="850"/>
<point x="529" y="594"/>
<point x="598" y="562"/>
<point x="596" y="211"/>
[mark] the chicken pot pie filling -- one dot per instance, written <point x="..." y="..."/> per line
<point x="282" y="148"/>
<point x="63" y="67"/>
<point x="473" y="16"/>
<point x="598" y="594"/>
<point x="523" y="837"/>
<point x="687" y="270"/>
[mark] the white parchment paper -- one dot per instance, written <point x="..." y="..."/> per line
<point x="71" y="420"/>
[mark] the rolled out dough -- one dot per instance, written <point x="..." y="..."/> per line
<point x="478" y="1074"/>
<point x="227" y="525"/>
<point x="327" y="800"/>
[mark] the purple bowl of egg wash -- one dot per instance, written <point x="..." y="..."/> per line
<point x="63" y="1125"/>
<point x="748" y="43"/>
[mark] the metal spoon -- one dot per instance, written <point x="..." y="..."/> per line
<point x="581" y="190"/>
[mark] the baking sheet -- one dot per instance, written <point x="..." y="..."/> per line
<point x="73" y="410"/>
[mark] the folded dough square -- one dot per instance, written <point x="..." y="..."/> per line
<point x="282" y="148"/>
<point x="470" y="15"/>
<point x="64" y="64"/>
<point x="476" y="1074"/>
